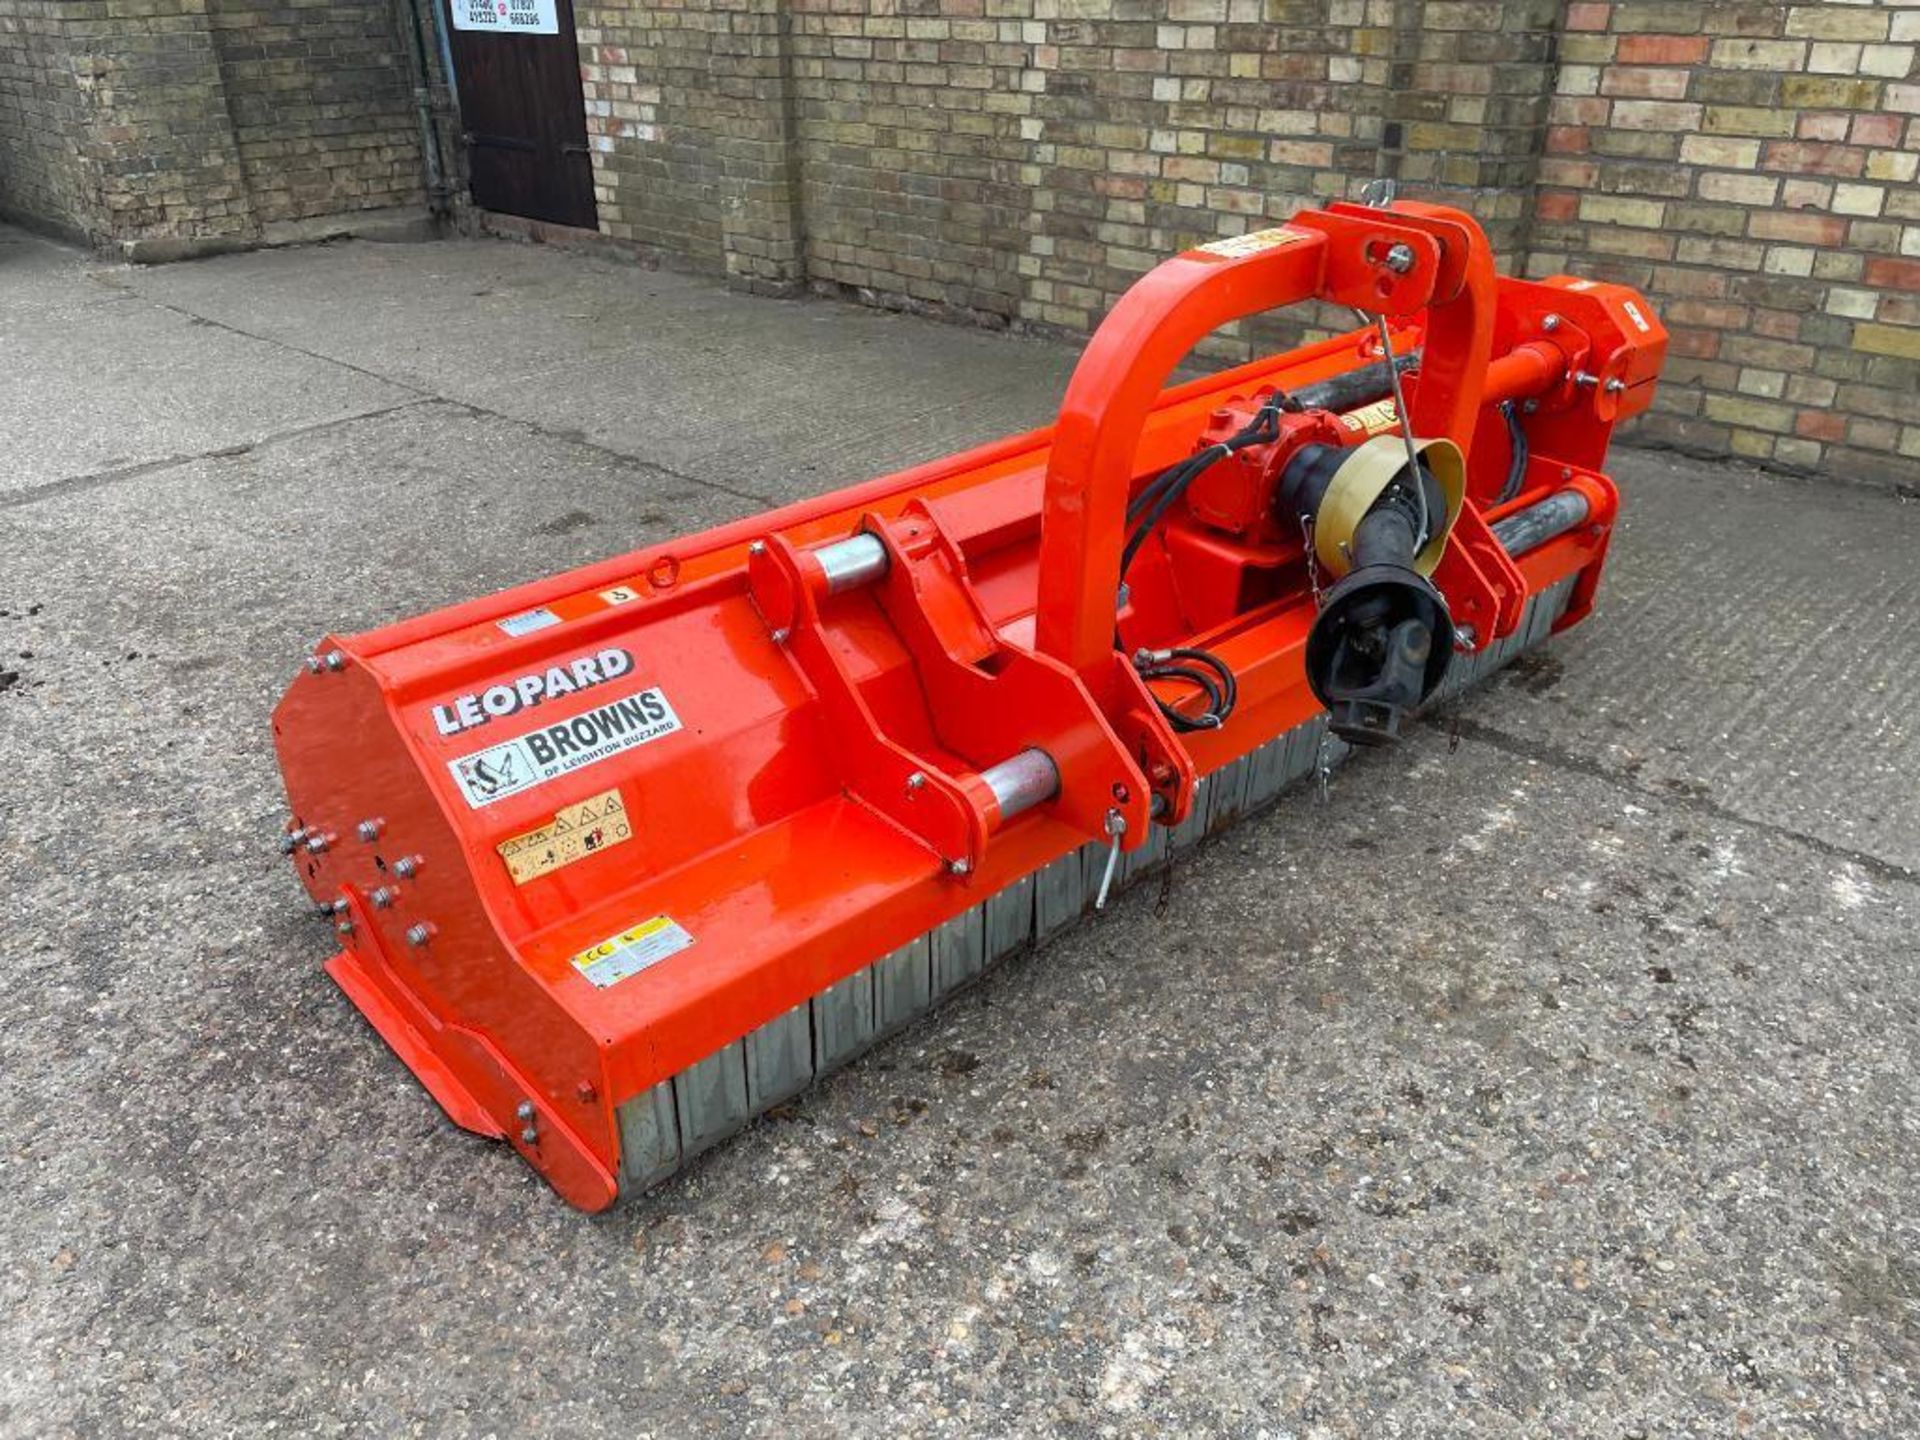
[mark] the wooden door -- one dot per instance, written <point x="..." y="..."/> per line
<point x="523" y="119"/>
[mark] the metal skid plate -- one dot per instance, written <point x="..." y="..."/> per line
<point x="668" y="1125"/>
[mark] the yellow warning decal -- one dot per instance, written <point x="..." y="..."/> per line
<point x="574" y="833"/>
<point x="1374" y="419"/>
<point x="1234" y="247"/>
<point x="632" y="950"/>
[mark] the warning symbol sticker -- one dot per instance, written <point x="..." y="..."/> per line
<point x="632" y="950"/>
<point x="574" y="833"/>
<point x="1374" y="419"/>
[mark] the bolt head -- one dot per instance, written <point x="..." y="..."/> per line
<point x="317" y="845"/>
<point x="418" y="935"/>
<point x="780" y="637"/>
<point x="314" y="667"/>
<point x="336" y="660"/>
<point x="407" y="866"/>
<point x="529" y="1136"/>
<point x="384" y="897"/>
<point x="959" y="867"/>
<point x="1615" y="386"/>
<point x="345" y="927"/>
<point x="525" y="1110"/>
<point x="1400" y="258"/>
<point x="917" y="780"/>
<point x="758" y="547"/>
<point x="1550" y="324"/>
<point x="369" y="830"/>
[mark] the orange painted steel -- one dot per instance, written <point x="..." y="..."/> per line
<point x="799" y="772"/>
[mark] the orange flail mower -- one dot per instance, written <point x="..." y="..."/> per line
<point x="622" y="858"/>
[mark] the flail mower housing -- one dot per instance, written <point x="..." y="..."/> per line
<point x="621" y="858"/>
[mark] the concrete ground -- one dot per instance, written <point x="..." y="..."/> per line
<point x="1557" y="1076"/>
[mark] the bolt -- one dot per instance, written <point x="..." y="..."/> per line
<point x="1550" y="324"/>
<point x="959" y="867"/>
<point x="1400" y="259"/>
<point x="335" y="660"/>
<point x="369" y="830"/>
<point x="916" y="780"/>
<point x="1583" y="379"/>
<point x="1615" y="386"/>
<point x="758" y="547"/>
<point x="585" y="1092"/>
<point x="780" y="637"/>
<point x="418" y="935"/>
<point x="345" y="927"/>
<point x="317" y="844"/>
<point x="384" y="897"/>
<point x="529" y="1136"/>
<point x="525" y="1111"/>
<point x="290" y="841"/>
<point x="1531" y="406"/>
<point x="313" y="665"/>
<point x="407" y="866"/>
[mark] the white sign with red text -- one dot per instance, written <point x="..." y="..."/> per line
<point x="507" y="17"/>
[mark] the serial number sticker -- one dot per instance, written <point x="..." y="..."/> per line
<point x="1374" y="419"/>
<point x="575" y="832"/>
<point x="620" y="595"/>
<point x="1235" y="247"/>
<point x="631" y="951"/>
<point x="528" y="621"/>
<point x="1633" y="314"/>
<point x="562" y="748"/>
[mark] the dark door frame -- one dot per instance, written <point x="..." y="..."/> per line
<point x="523" y="119"/>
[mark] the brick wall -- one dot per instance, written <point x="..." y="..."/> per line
<point x="689" y="120"/>
<point x="162" y="148"/>
<point x="1026" y="160"/>
<point x="1020" y="162"/>
<point x="1752" y="167"/>
<point x="170" y="126"/>
<point x="42" y="109"/>
<point x="322" y="104"/>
